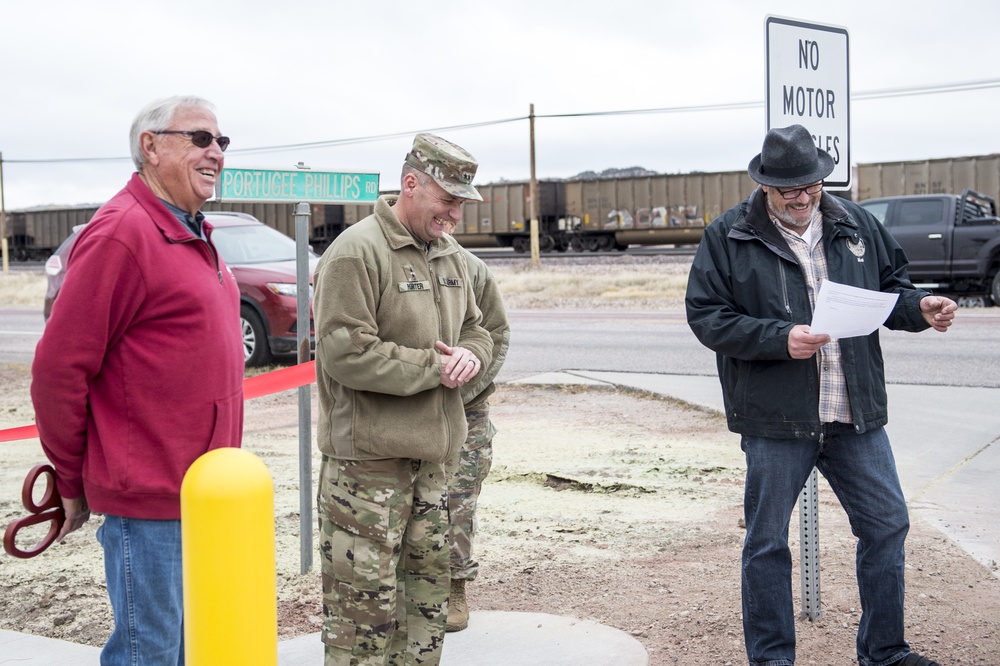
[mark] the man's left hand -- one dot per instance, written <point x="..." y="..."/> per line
<point x="938" y="311"/>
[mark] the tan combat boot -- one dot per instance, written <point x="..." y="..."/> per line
<point x="458" y="608"/>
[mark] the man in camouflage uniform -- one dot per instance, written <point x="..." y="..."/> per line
<point x="398" y="333"/>
<point x="467" y="472"/>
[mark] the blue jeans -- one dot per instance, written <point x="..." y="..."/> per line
<point x="861" y="471"/>
<point x="142" y="564"/>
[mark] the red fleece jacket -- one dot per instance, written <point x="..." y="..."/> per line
<point x="140" y="368"/>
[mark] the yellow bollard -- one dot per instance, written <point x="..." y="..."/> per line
<point x="227" y="541"/>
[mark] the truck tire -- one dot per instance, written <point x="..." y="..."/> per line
<point x="995" y="289"/>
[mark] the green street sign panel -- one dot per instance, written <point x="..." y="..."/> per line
<point x="295" y="185"/>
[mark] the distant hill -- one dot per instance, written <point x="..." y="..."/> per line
<point x="628" y="172"/>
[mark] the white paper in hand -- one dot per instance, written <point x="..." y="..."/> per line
<point x="843" y="311"/>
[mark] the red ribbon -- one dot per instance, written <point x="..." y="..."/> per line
<point x="51" y="507"/>
<point x="253" y="387"/>
<point x="21" y="432"/>
<point x="279" y="380"/>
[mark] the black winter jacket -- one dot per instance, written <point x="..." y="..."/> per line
<point x="746" y="291"/>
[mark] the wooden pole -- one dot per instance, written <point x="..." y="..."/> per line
<point x="533" y="193"/>
<point x="4" y="250"/>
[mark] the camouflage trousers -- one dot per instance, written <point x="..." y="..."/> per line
<point x="466" y="474"/>
<point x="384" y="554"/>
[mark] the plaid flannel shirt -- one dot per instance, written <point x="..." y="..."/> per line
<point x="834" y="405"/>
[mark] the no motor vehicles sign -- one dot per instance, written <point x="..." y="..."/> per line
<point x="808" y="83"/>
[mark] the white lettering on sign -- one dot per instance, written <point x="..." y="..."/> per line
<point x="280" y="185"/>
<point x="325" y="186"/>
<point x="258" y="184"/>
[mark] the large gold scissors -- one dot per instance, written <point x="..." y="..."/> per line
<point x="48" y="509"/>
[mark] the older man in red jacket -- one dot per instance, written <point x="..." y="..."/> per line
<point x="140" y="371"/>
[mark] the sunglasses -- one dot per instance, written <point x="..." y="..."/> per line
<point x="200" y="138"/>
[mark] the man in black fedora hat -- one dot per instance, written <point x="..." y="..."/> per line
<point x="801" y="400"/>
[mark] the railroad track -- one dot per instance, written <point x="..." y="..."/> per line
<point x="26" y="266"/>
<point x="487" y="253"/>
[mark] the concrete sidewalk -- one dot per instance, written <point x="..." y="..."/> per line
<point x="492" y="639"/>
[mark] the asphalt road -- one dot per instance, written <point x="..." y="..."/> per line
<point x="548" y="341"/>
<point x="19" y="333"/>
<point x="662" y="343"/>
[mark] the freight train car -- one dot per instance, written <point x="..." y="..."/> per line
<point x="35" y="233"/>
<point x="503" y="217"/>
<point x="613" y="213"/>
<point x="325" y="221"/>
<point x="951" y="175"/>
<point x="603" y="213"/>
<point x="577" y="214"/>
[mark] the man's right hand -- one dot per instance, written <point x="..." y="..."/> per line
<point x="803" y="344"/>
<point x="77" y="513"/>
<point x="458" y="365"/>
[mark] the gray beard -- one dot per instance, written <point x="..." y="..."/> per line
<point x="786" y="218"/>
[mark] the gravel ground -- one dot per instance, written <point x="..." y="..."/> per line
<point x="612" y="506"/>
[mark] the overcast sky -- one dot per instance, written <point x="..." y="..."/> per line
<point x="75" y="73"/>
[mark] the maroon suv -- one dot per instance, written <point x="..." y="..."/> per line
<point x="263" y="261"/>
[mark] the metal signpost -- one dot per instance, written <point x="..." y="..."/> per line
<point x="808" y="84"/>
<point x="301" y="187"/>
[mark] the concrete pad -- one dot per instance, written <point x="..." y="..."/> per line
<point x="561" y="379"/>
<point x="698" y="390"/>
<point x="493" y="638"/>
<point x="497" y="638"/>
<point x="17" y="648"/>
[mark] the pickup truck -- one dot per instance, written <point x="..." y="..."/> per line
<point x="952" y="241"/>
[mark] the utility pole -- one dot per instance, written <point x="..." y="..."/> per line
<point x="4" y="250"/>
<point x="533" y="193"/>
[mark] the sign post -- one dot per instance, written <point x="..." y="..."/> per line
<point x="808" y="84"/>
<point x="302" y="214"/>
<point x="301" y="187"/>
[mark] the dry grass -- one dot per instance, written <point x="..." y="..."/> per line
<point x="22" y="289"/>
<point x="621" y="282"/>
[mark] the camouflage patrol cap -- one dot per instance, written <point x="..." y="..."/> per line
<point x="451" y="166"/>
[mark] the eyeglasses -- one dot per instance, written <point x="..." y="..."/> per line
<point x="794" y="193"/>
<point x="200" y="138"/>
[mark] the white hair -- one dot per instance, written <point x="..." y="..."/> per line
<point x="156" y="117"/>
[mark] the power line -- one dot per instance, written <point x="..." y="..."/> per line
<point x="377" y="137"/>
<point x="884" y="93"/>
<point x="913" y="91"/>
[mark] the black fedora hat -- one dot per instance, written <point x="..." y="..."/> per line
<point x="789" y="158"/>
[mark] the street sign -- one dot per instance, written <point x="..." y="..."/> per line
<point x="808" y="84"/>
<point x="296" y="185"/>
